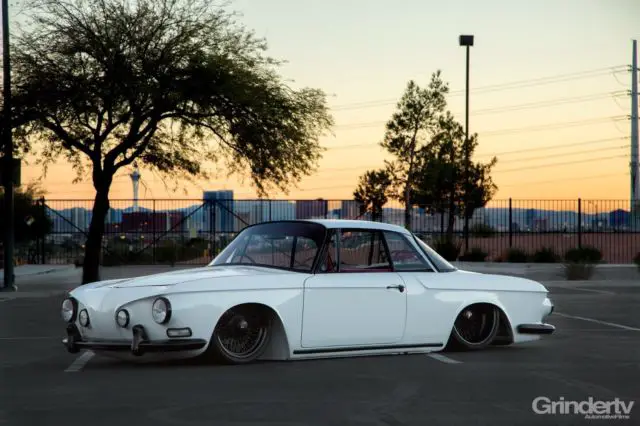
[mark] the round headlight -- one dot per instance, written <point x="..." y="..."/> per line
<point x="69" y="308"/>
<point x="161" y="310"/>
<point x="122" y="318"/>
<point x="83" y="317"/>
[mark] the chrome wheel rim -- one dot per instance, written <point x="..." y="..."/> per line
<point x="475" y="325"/>
<point x="241" y="335"/>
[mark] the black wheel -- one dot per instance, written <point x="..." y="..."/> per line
<point x="241" y="335"/>
<point x="475" y="328"/>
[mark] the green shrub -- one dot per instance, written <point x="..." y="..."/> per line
<point x="585" y="254"/>
<point x="580" y="262"/>
<point x="475" y="255"/>
<point x="447" y="249"/>
<point x="516" y="255"/>
<point x="578" y="271"/>
<point x="545" y="255"/>
<point x="636" y="260"/>
<point x="482" y="230"/>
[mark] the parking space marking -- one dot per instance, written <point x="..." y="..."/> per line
<point x="611" y="324"/>
<point x="443" y="358"/>
<point x="80" y="362"/>
<point x="589" y="290"/>
<point x="30" y="338"/>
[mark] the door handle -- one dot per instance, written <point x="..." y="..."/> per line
<point x="399" y="287"/>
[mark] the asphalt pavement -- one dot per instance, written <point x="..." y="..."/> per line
<point x="595" y="353"/>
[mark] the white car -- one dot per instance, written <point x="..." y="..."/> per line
<point x="308" y="289"/>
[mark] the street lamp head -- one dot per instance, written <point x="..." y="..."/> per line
<point x="466" y="40"/>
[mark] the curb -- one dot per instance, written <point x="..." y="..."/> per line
<point x="6" y="297"/>
<point x="40" y="272"/>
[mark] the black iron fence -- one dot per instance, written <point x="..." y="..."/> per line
<point x="193" y="231"/>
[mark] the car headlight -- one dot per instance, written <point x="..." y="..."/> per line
<point x="161" y="310"/>
<point x="83" y="317"/>
<point x="69" y="309"/>
<point x="122" y="318"/>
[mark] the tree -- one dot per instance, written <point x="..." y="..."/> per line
<point x="32" y="222"/>
<point x="409" y="131"/>
<point x="440" y="178"/>
<point x="373" y="192"/>
<point x="170" y="83"/>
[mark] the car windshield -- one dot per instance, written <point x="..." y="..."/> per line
<point x="284" y="245"/>
<point x="440" y="263"/>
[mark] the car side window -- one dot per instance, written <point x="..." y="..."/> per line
<point x="404" y="255"/>
<point x="304" y="253"/>
<point x="363" y="251"/>
<point x="329" y="261"/>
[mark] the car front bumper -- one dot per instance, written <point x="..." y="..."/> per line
<point x="139" y="345"/>
<point x="536" y="328"/>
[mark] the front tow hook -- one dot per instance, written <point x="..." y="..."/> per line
<point x="139" y="336"/>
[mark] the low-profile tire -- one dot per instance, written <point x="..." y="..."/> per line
<point x="241" y="335"/>
<point x="475" y="328"/>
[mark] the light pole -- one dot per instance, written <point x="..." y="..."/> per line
<point x="8" y="166"/>
<point x="466" y="41"/>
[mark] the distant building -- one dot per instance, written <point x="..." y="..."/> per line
<point x="279" y="210"/>
<point x="349" y="210"/>
<point x="151" y="222"/>
<point x="311" y="209"/>
<point x="540" y="224"/>
<point x="619" y="218"/>
<point x="219" y="209"/>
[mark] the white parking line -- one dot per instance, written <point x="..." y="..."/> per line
<point x="611" y="324"/>
<point x="80" y="362"/>
<point x="30" y="338"/>
<point x="443" y="358"/>
<point x="590" y="290"/>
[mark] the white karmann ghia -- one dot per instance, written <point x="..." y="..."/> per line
<point x="307" y="289"/>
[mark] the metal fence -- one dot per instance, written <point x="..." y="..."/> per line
<point x="193" y="231"/>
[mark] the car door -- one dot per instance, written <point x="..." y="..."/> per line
<point x="355" y="299"/>
<point x="426" y="308"/>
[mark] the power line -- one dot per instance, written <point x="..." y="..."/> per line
<point x="558" y="78"/>
<point x="566" y="163"/>
<point x="372" y="144"/>
<point x="526" y="183"/>
<point x="550" y="126"/>
<point x="553" y="102"/>
<point x="516" y="107"/>
<point x="568" y="154"/>
<point x="517" y="160"/>
<point x="551" y="147"/>
<point x="556" y="181"/>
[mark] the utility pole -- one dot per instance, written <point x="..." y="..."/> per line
<point x="466" y="41"/>
<point x="9" y="214"/>
<point x="635" y="172"/>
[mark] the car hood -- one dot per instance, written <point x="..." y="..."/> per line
<point x="186" y="275"/>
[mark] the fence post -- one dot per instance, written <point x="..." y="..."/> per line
<point x="270" y="211"/>
<point x="153" y="230"/>
<point x="579" y="223"/>
<point x="42" y="240"/>
<point x="510" y="223"/>
<point x="212" y="227"/>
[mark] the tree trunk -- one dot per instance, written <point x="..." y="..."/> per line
<point x="407" y="207"/>
<point x="452" y="219"/>
<point x="91" y="268"/>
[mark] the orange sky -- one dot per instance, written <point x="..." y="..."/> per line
<point x="357" y="62"/>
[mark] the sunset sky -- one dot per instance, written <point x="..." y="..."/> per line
<point x="569" y="59"/>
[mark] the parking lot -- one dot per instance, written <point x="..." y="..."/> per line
<point x="595" y="352"/>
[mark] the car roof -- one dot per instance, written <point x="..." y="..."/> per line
<point x="358" y="224"/>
